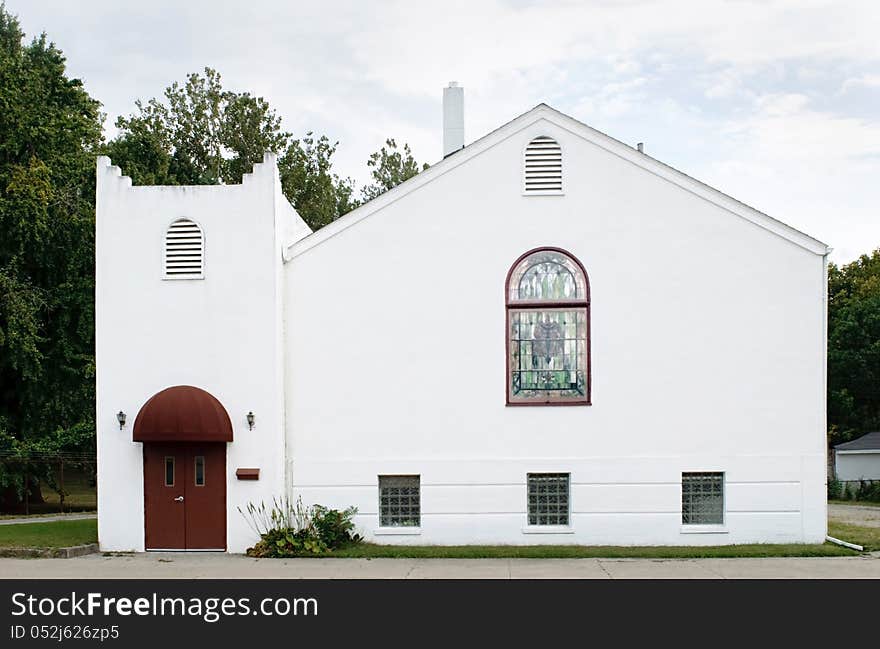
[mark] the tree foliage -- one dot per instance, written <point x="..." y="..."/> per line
<point x="319" y="196"/>
<point x="201" y="134"/>
<point x="854" y="348"/>
<point x="390" y="166"/>
<point x="49" y="131"/>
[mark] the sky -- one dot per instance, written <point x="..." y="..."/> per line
<point x="776" y="103"/>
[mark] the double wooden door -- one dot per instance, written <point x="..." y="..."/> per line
<point x="185" y="496"/>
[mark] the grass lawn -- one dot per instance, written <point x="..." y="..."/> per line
<point x="369" y="550"/>
<point x="866" y="503"/>
<point x="81" y="496"/>
<point x="869" y="537"/>
<point x="49" y="535"/>
<point x="66" y="533"/>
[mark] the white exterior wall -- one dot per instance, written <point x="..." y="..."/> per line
<point x="222" y="334"/>
<point x="708" y="354"/>
<point x="860" y="465"/>
<point x="380" y="349"/>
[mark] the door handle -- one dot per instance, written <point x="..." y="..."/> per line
<point x="179" y="499"/>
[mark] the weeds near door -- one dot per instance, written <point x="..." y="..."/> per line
<point x="290" y="529"/>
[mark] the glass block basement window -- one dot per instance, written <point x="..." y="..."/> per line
<point x="548" y="498"/>
<point x="399" y="501"/>
<point x="702" y="498"/>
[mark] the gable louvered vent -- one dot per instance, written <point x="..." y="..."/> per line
<point x="543" y="166"/>
<point x="184" y="250"/>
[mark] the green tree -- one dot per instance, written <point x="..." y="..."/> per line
<point x="49" y="131"/>
<point x="319" y="196"/>
<point x="199" y="134"/>
<point x="854" y="348"/>
<point x="390" y="166"/>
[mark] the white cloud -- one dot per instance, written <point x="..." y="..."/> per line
<point x="814" y="171"/>
<point x="676" y="71"/>
<point x="864" y="81"/>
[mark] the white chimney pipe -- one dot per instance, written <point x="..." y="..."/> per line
<point x="453" y="118"/>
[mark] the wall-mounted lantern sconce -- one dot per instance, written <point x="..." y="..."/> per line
<point x="250" y="420"/>
<point x="120" y="417"/>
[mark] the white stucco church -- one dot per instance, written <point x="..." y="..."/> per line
<point x="546" y="337"/>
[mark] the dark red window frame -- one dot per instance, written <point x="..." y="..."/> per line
<point x="540" y="305"/>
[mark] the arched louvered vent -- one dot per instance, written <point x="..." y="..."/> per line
<point x="543" y="166"/>
<point x="184" y="250"/>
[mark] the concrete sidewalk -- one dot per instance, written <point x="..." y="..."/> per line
<point x="207" y="566"/>
<point x="51" y="518"/>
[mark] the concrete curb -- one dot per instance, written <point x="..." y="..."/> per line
<point x="50" y="553"/>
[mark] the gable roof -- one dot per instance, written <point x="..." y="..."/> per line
<point x="869" y="442"/>
<point x="603" y="141"/>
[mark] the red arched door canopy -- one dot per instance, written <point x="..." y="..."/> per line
<point x="182" y="413"/>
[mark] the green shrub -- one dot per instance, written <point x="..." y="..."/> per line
<point x="835" y="489"/>
<point x="287" y="543"/>
<point x="292" y="530"/>
<point x="868" y="490"/>
<point x="335" y="528"/>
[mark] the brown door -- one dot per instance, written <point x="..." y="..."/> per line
<point x="206" y="496"/>
<point x="164" y="497"/>
<point x="185" y="496"/>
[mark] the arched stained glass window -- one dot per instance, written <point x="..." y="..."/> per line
<point x="548" y="330"/>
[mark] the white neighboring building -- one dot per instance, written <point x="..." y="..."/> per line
<point x="858" y="459"/>
<point x="546" y="337"/>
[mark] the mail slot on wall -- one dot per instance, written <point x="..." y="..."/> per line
<point x="247" y="474"/>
